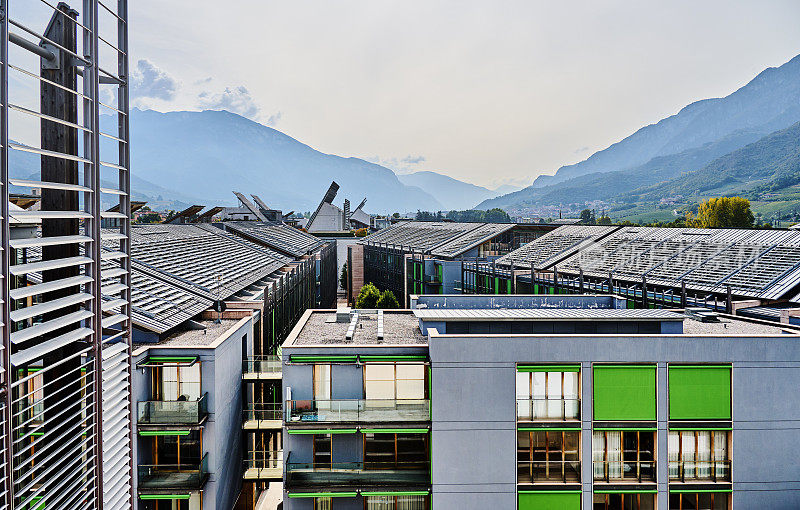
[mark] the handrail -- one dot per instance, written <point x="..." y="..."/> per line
<point x="713" y="470"/>
<point x="612" y="470"/>
<point x="562" y="409"/>
<point x="564" y="471"/>
<point x="358" y="410"/>
<point x="172" y="411"/>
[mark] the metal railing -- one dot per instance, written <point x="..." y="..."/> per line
<point x="711" y="470"/>
<point x="358" y="473"/>
<point x="612" y="471"/>
<point x="168" y="412"/>
<point x="566" y="471"/>
<point x="262" y="365"/>
<point x="263" y="459"/>
<point x="374" y="410"/>
<point x="561" y="409"/>
<point x="265" y="411"/>
<point x="174" y="476"/>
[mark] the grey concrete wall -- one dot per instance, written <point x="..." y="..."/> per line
<point x="473" y="428"/>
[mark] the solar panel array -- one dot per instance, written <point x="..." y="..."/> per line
<point x="761" y="264"/>
<point x="553" y="246"/>
<point x="474" y="237"/>
<point x="443" y="238"/>
<point x="277" y="236"/>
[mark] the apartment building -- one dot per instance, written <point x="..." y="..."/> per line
<point x="539" y="402"/>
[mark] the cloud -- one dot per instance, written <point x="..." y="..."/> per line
<point x="404" y="165"/>
<point x="204" y="81"/>
<point x="150" y="82"/>
<point x="236" y="100"/>
<point x="413" y="160"/>
<point x="274" y="118"/>
<point x="580" y="150"/>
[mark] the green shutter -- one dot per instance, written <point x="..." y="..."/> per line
<point x="550" y="500"/>
<point x="624" y="392"/>
<point x="339" y="358"/>
<point x="700" y="392"/>
<point x="321" y="431"/>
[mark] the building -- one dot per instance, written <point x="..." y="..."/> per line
<point x="743" y="271"/>
<point x="330" y="219"/>
<point x="424" y="257"/>
<point x="538" y="401"/>
<point x="65" y="427"/>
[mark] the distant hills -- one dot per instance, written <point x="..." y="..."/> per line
<point x="452" y="193"/>
<point x="205" y="155"/>
<point x="686" y="142"/>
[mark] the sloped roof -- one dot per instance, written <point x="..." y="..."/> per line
<point x="553" y="246"/>
<point x="446" y="239"/>
<point x="277" y="236"/>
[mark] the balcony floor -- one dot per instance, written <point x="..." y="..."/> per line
<point x="262" y="425"/>
<point x="275" y="473"/>
<point x="262" y="376"/>
<point x="370" y="416"/>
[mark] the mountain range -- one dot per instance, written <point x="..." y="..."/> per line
<point x="671" y="150"/>
<point x="452" y="193"/>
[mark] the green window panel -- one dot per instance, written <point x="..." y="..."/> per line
<point x="624" y="392"/>
<point x="550" y="500"/>
<point x="700" y="392"/>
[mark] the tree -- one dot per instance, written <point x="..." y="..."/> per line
<point x="604" y="220"/>
<point x="368" y="296"/>
<point x="396" y="215"/>
<point x="362" y="232"/>
<point x="587" y="217"/>
<point x="722" y="212"/>
<point x="387" y="300"/>
<point x="343" y="277"/>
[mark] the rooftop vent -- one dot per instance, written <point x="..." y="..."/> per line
<point x="702" y="315"/>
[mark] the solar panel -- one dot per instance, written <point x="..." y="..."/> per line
<point x="553" y="246"/>
<point x="469" y="240"/>
<point x="420" y="235"/>
<point x="276" y="236"/>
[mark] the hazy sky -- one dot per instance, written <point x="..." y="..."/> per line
<point x="484" y="91"/>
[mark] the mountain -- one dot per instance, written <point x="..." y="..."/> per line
<point x="452" y="193"/>
<point x="769" y="102"/>
<point x="209" y="154"/>
<point x="768" y="168"/>
<point x="504" y="189"/>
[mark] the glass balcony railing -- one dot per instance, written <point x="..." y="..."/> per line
<point x="268" y="365"/>
<point x="544" y="409"/>
<point x="263" y="459"/>
<point x="623" y="471"/>
<point x="359" y="411"/>
<point x="358" y="473"/>
<point x="173" y="412"/>
<point x="173" y="476"/>
<point x="556" y="471"/>
<point x="259" y="412"/>
<point x="706" y="470"/>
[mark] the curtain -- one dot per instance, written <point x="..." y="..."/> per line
<point x="687" y="447"/>
<point x="598" y="447"/>
<point x="380" y="503"/>
<point x="411" y="503"/>
<point x="703" y="454"/>
<point x="614" y="452"/>
<point x="190" y="382"/>
<point x="169" y="383"/>
<point x="523" y="395"/>
<point x="674" y="445"/>
<point x="721" y="453"/>
<point x="539" y="394"/>
<point x="322" y="386"/>
<point x="571" y="394"/>
<point x="323" y="503"/>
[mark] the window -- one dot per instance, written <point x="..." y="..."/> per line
<point x="624" y="455"/>
<point x="624" y="502"/>
<point x="323" y="503"/>
<point x="699" y="455"/>
<point x="396" y="503"/>
<point x="322" y="386"/>
<point x="394" y="381"/>
<point x="178" y="382"/>
<point x="395" y="451"/>
<point x="624" y="392"/>
<point x="699" y="501"/>
<point x="323" y="451"/>
<point x="548" y="456"/>
<point x="185" y="449"/>
<point x="547" y="395"/>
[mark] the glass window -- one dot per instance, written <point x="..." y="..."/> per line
<point x="322" y="451"/>
<point x="180" y="383"/>
<point x="395" y="451"/>
<point x="400" y="381"/>
<point x="178" y="450"/>
<point x="618" y="454"/>
<point x="548" y="456"/>
<point x="322" y="382"/>
<point x="624" y="502"/>
<point x="547" y="395"/>
<point x="323" y="503"/>
<point x="699" y="455"/>
<point x="699" y="501"/>
<point x="396" y="502"/>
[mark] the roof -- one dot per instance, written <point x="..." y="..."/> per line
<point x="326" y="199"/>
<point x="547" y="314"/>
<point x="553" y="246"/>
<point x="445" y="239"/>
<point x="277" y="236"/>
<point x="401" y="327"/>
<point x="761" y="264"/>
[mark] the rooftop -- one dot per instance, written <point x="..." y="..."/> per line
<point x="445" y="239"/>
<point x="548" y="314"/>
<point x="400" y="327"/>
<point x="197" y="338"/>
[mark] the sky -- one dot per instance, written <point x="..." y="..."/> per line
<point x="489" y="92"/>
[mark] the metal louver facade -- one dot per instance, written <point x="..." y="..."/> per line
<point x="66" y="328"/>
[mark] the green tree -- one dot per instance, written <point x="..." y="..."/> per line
<point x="343" y="277"/>
<point x="722" y="212"/>
<point x="368" y="296"/>
<point x="387" y="300"/>
<point x="587" y="217"/>
<point x="604" y="220"/>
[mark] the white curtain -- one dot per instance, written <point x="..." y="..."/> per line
<point x="523" y="395"/>
<point x="554" y="396"/>
<point x="674" y="445"/>
<point x="539" y="393"/>
<point x="703" y="454"/>
<point x="721" y="452"/>
<point x="688" y="453"/>
<point x="598" y="447"/>
<point x="411" y="503"/>
<point x="571" y="394"/>
<point x="380" y="503"/>
<point x="614" y="453"/>
<point x="323" y="503"/>
<point x="190" y="382"/>
<point x="322" y="386"/>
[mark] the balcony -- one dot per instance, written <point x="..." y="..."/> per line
<point x="643" y="471"/>
<point x="173" y="412"/>
<point x="259" y="368"/>
<point x="174" y="476"/>
<point x="549" y="471"/>
<point x="548" y="409"/>
<point x="263" y="417"/>
<point x="359" y="411"/>
<point x="263" y="465"/>
<point x="349" y="474"/>
<point x="700" y="471"/>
